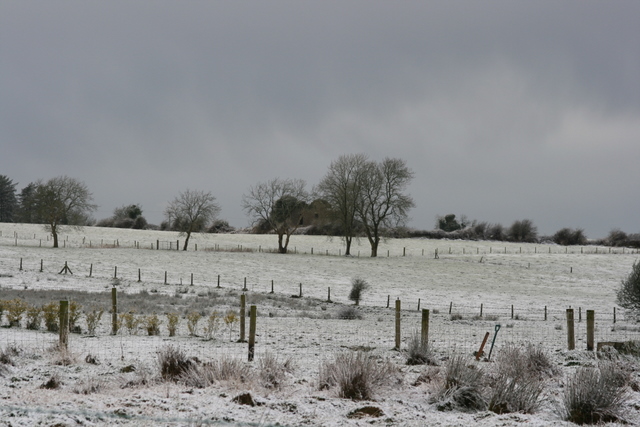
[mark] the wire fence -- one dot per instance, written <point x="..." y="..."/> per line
<point x="318" y="336"/>
<point x="442" y="249"/>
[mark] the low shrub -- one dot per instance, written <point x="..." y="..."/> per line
<point x="271" y="372"/>
<point x="595" y="395"/>
<point x="51" y="316"/>
<point x="152" y="323"/>
<point x="356" y="375"/>
<point x="6" y="358"/>
<point x="34" y="317"/>
<point x="224" y="369"/>
<point x="131" y="322"/>
<point x="172" y="323"/>
<point x="230" y="319"/>
<point x="92" y="317"/>
<point x="349" y="313"/>
<point x="213" y="325"/>
<point x="15" y="309"/>
<point x="53" y="383"/>
<point x="192" y="322"/>
<point x="75" y="311"/>
<point x="173" y="363"/>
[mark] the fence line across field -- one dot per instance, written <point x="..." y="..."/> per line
<point x="464" y="310"/>
<point x="315" y="338"/>
<point x="157" y="244"/>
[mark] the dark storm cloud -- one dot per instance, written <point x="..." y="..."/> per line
<point x="505" y="110"/>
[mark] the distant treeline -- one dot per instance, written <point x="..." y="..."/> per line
<point x="315" y="218"/>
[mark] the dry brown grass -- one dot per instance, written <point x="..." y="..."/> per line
<point x="357" y="375"/>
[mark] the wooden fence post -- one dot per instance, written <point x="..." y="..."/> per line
<point x="41" y="265"/>
<point x="20" y="264"/>
<point x="114" y="311"/>
<point x="252" y="332"/>
<point x="300" y="290"/>
<point x="424" y="335"/>
<point x="571" y="339"/>
<point x="481" y="306"/>
<point x="388" y="299"/>
<point x="614" y="315"/>
<point x="139" y="276"/>
<point x="165" y="277"/>
<point x="329" y="294"/>
<point x="191" y="279"/>
<point x="545" y="312"/>
<point x="418" y="304"/>
<point x="398" y="313"/>
<point x="591" y="323"/>
<point x="511" y="311"/>
<point x="115" y="272"/>
<point x="64" y="325"/>
<point x="450" y="306"/>
<point x="272" y="286"/>
<point x="243" y="315"/>
<point x="245" y="285"/>
<point x="218" y="281"/>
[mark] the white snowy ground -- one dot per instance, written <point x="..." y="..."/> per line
<point x="466" y="275"/>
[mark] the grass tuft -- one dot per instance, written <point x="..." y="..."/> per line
<point x="595" y="395"/>
<point x="356" y="375"/>
<point x="173" y="363"/>
<point x="461" y="389"/>
<point x="419" y="353"/>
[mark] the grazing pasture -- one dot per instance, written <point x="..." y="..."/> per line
<point x="468" y="287"/>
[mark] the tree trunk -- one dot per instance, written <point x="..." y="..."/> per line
<point x="54" y="233"/>
<point x="186" y="241"/>
<point x="282" y="248"/>
<point x="347" y="251"/>
<point x="374" y="247"/>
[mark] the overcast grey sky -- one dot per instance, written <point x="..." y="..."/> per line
<point x="504" y="110"/>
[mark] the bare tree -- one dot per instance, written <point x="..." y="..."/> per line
<point x="62" y="202"/>
<point x="523" y="231"/>
<point x="278" y="204"/>
<point x="341" y="187"/>
<point x="382" y="203"/>
<point x="191" y="211"/>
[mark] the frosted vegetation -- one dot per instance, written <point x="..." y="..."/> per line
<point x="312" y="364"/>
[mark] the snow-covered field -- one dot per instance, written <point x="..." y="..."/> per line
<point x="465" y="278"/>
